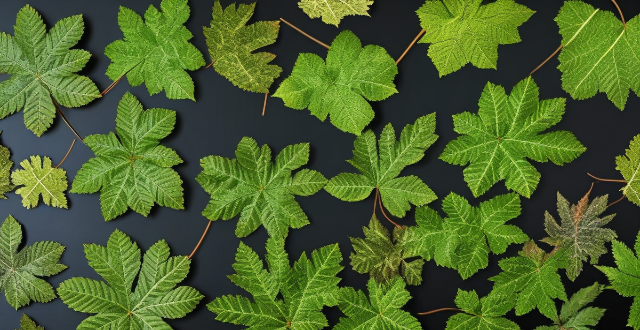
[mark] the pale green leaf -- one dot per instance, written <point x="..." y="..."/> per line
<point x="629" y="166"/>
<point x="333" y="11"/>
<point x="38" y="178"/>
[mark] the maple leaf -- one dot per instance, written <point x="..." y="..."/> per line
<point x="133" y="169"/>
<point x="464" y="238"/>
<point x="43" y="69"/>
<point x="156" y="51"/>
<point x="506" y="131"/>
<point x="39" y="178"/>
<point x="284" y="296"/>
<point x="381" y="311"/>
<point x="333" y="11"/>
<point x="533" y="278"/>
<point x="116" y="303"/>
<point x="261" y="191"/>
<point x="486" y="313"/>
<point x="381" y="163"/>
<point x="598" y="53"/>
<point x="574" y="314"/>
<point x="383" y="257"/>
<point x="625" y="279"/>
<point x="341" y="87"/>
<point x="462" y="32"/>
<point x="27" y="323"/>
<point x="629" y="165"/>
<point x="19" y="270"/>
<point x="580" y="231"/>
<point x="231" y="44"/>
<point x="5" y="169"/>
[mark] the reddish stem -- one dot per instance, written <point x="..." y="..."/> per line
<point x="423" y="31"/>
<point x="55" y="103"/>
<point x="624" y="23"/>
<point x="264" y="106"/>
<point x="113" y="84"/>
<point x="441" y="310"/>
<point x="375" y="202"/>
<point x="209" y="65"/>
<point x="67" y="154"/>
<point x="206" y="230"/>
<point x="547" y="60"/>
<point x="382" y="210"/>
<point x="617" y="201"/>
<point x="305" y="34"/>
<point x="606" y="180"/>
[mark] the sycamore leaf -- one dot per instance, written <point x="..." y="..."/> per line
<point x="231" y="44"/>
<point x="381" y="311"/>
<point x="341" y="87"/>
<point x="598" y="53"/>
<point x="261" y="191"/>
<point x="5" y="170"/>
<point x="580" y="231"/>
<point x="117" y="304"/>
<point x="381" y="163"/>
<point x="462" y="32"/>
<point x="27" y="323"/>
<point x="20" y="270"/>
<point x="486" y="313"/>
<point x="43" y="69"/>
<point x="156" y="51"/>
<point x="506" y="131"/>
<point x="625" y="279"/>
<point x="284" y="297"/>
<point x="39" y="178"/>
<point x="532" y="277"/>
<point x="629" y="166"/>
<point x="574" y="315"/>
<point x="464" y="238"/>
<point x="383" y="257"/>
<point x="133" y="170"/>
<point x="333" y="11"/>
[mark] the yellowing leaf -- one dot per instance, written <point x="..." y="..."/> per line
<point x="333" y="11"/>
<point x="40" y="178"/>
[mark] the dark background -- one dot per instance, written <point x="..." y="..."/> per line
<point x="224" y="114"/>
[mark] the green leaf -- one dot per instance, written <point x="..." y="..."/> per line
<point x="625" y="279"/>
<point x="380" y="169"/>
<point x="231" y="44"/>
<point x="486" y="313"/>
<point x="43" y="69"/>
<point x="20" y="270"/>
<point x="156" y="51"/>
<point x="39" y="178"/>
<point x="462" y="32"/>
<point x="333" y="11"/>
<point x="533" y="278"/>
<point x="261" y="191"/>
<point x="381" y="311"/>
<point x="133" y="170"/>
<point x="341" y="87"/>
<point x="383" y="257"/>
<point x="5" y="170"/>
<point x="580" y="231"/>
<point x="27" y="323"/>
<point x="629" y="166"/>
<point x="464" y="238"/>
<point x="506" y="131"/>
<point x="283" y="296"/>
<point x="115" y="301"/>
<point x="574" y="314"/>
<point x="598" y="53"/>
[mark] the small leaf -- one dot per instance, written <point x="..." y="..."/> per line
<point x="39" y="178"/>
<point x="628" y="165"/>
<point x="333" y="11"/>
<point x="5" y="170"/>
<point x="486" y="313"/>
<point x="27" y="323"/>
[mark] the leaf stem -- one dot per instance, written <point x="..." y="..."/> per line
<point x="206" y="230"/>
<point x="113" y="84"/>
<point x="67" y="154"/>
<point x="423" y="31"/>
<point x="382" y="209"/>
<point x="305" y="34"/>
<point x="606" y="180"/>
<point x="65" y="120"/>
<point x="210" y="64"/>
<point x="547" y="60"/>
<point x="264" y="106"/>
<point x="375" y="202"/>
<point x="441" y="310"/>
<point x="621" y="16"/>
<point x="617" y="201"/>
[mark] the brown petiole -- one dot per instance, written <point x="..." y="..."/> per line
<point x="264" y="106"/>
<point x="379" y="200"/>
<point x="305" y="34"/>
<point x="67" y="154"/>
<point x="624" y="23"/>
<point x="606" y="180"/>
<point x="422" y="32"/>
<point x="441" y="310"/>
<point x="206" y="230"/>
<point x="65" y="120"/>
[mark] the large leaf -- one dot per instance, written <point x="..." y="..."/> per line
<point x="333" y="11"/>
<point x="506" y="131"/>
<point x="629" y="166"/>
<point x="486" y="313"/>
<point x="574" y="313"/>
<point x="117" y="304"/>
<point x="43" y="69"/>
<point x="341" y="87"/>
<point x="38" y="178"/>
<point x="5" y="170"/>
<point x="133" y="170"/>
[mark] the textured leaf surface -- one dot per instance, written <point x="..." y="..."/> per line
<point x="27" y="323"/>
<point x="464" y="238"/>
<point x="506" y="131"/>
<point x="380" y="311"/>
<point x="232" y="43"/>
<point x="117" y="304"/>
<point x="261" y="191"/>
<point x="486" y="313"/>
<point x="156" y="51"/>
<point x="575" y="315"/>
<point x="380" y="164"/>
<point x="133" y="170"/>
<point x="5" y="170"/>
<point x="20" y="271"/>
<point x="43" y="69"/>
<point x="462" y="32"/>
<point x="598" y="54"/>
<point x="629" y="166"/>
<point x="341" y="87"/>
<point x="532" y="277"/>
<point x="333" y="11"/>
<point x="580" y="231"/>
<point x="38" y="178"/>
<point x="284" y="297"/>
